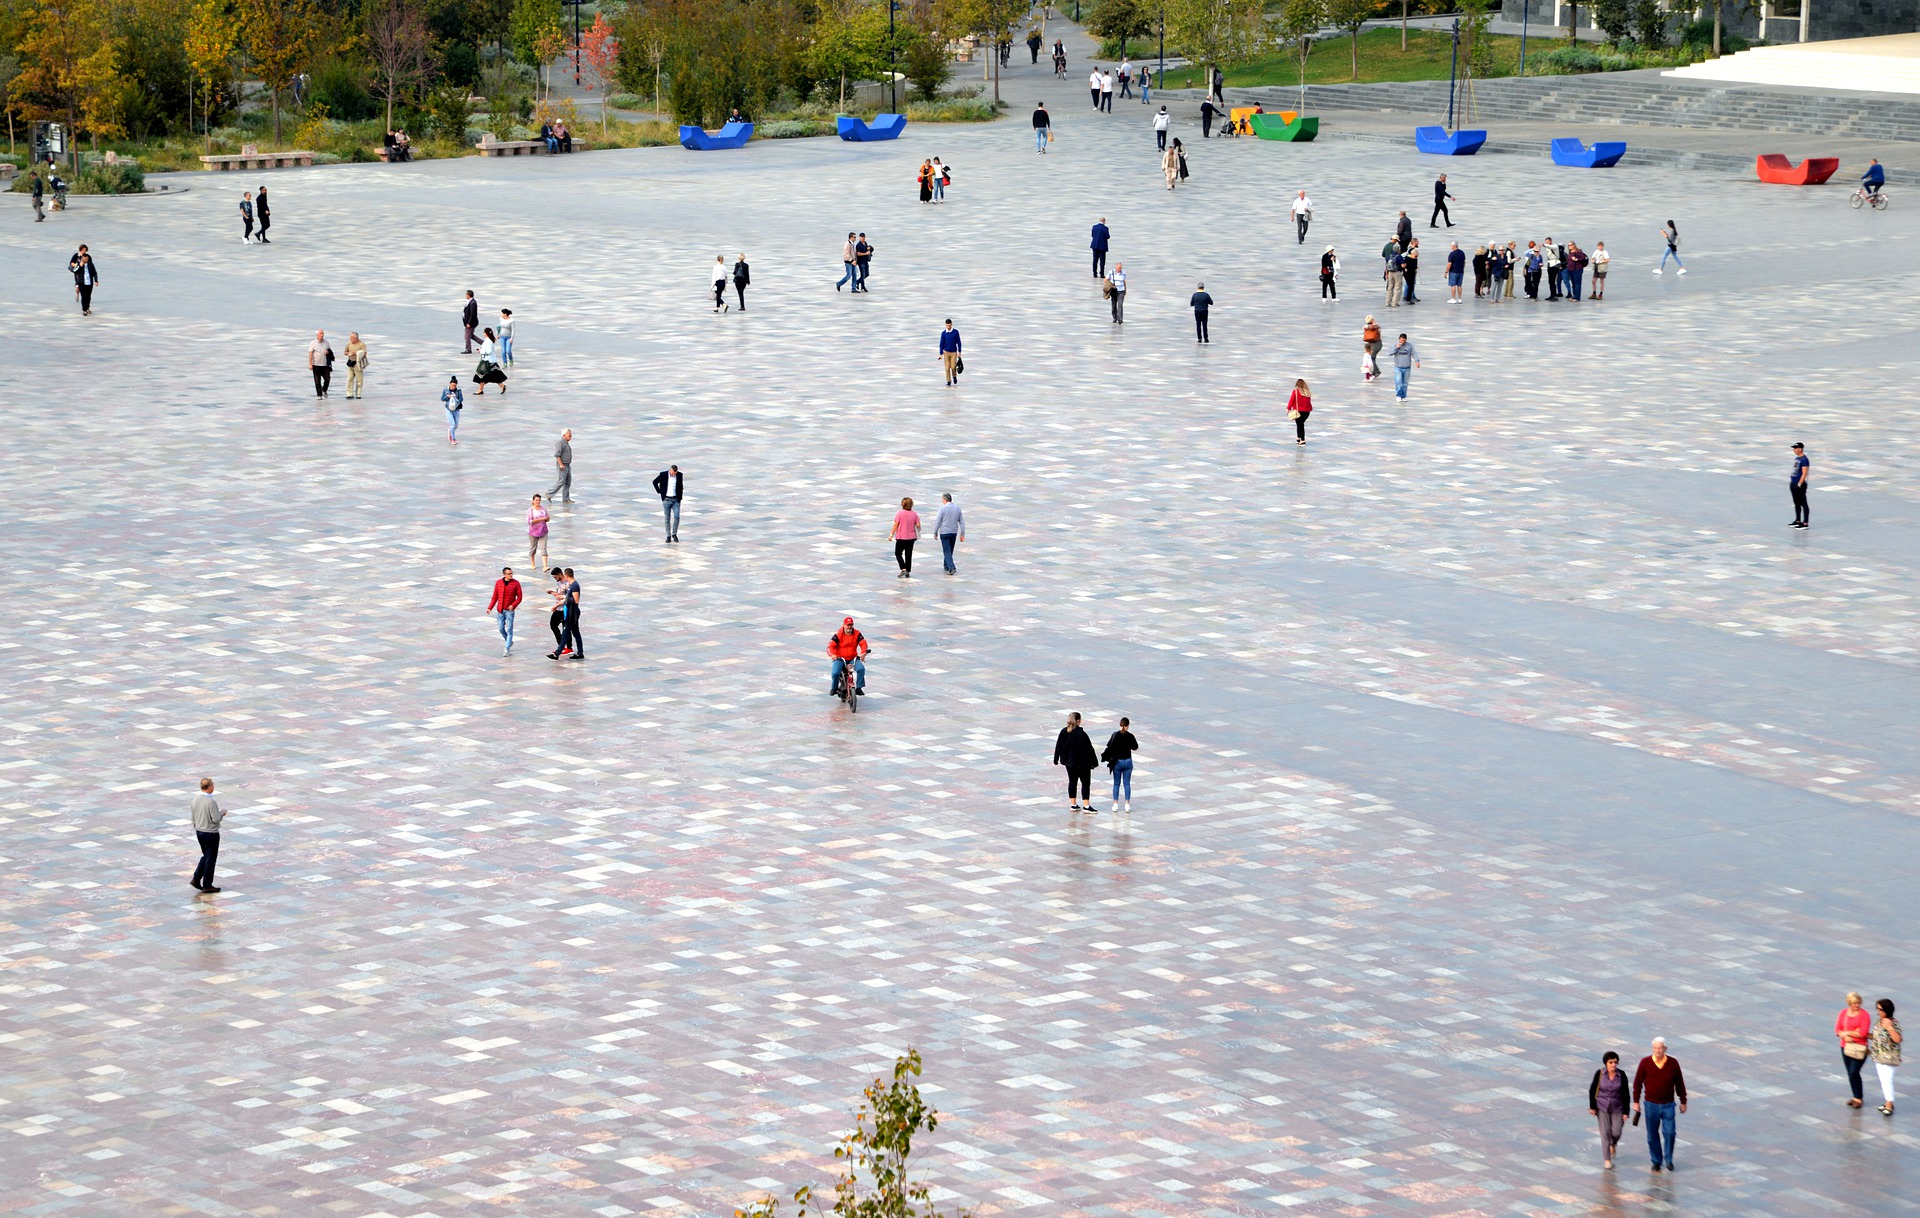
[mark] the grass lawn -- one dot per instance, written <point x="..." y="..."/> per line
<point x="1426" y="58"/>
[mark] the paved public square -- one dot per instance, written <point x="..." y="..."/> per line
<point x="1487" y="732"/>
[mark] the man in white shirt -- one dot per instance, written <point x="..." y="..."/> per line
<point x="671" y="488"/>
<point x="1117" y="297"/>
<point x="1126" y="76"/>
<point x="1093" y="87"/>
<point x="1106" y="92"/>
<point x="1302" y="212"/>
<point x="207" y="815"/>
<point x="1160" y="121"/>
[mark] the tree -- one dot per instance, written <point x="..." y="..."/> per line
<point x="927" y="64"/>
<point x="1300" y="20"/>
<point x="1614" y="17"/>
<point x="850" y="43"/>
<point x="1219" y="33"/>
<point x="1123" y="19"/>
<point x="280" y="37"/>
<point x="531" y="19"/>
<point x="1650" y="23"/>
<point x="553" y="40"/>
<point x="213" y="35"/>
<point x="9" y="72"/>
<point x="69" y="68"/>
<point x="992" y="21"/>
<point x="402" y="50"/>
<point x="1350" y="15"/>
<point x="602" y="52"/>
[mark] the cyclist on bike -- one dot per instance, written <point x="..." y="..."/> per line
<point x="1873" y="179"/>
<point x="847" y="646"/>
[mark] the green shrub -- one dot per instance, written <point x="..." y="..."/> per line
<point x="449" y="112"/>
<point x="629" y="101"/>
<point x="790" y="129"/>
<point x="340" y="85"/>
<point x="124" y="178"/>
<point x="953" y="110"/>
<point x="1699" y="34"/>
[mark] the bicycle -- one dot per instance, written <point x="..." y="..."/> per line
<point x="1861" y="196"/>
<point x="848" y="688"/>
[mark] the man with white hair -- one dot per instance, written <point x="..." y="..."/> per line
<point x="1660" y="1078"/>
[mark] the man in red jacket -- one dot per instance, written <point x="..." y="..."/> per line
<point x="847" y="647"/>
<point x="1660" y="1078"/>
<point x="506" y="598"/>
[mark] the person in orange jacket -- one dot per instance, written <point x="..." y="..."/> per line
<point x="847" y="647"/>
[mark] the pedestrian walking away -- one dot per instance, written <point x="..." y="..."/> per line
<point x="1440" y="197"/>
<point x="1659" y="1081"/>
<point x="950" y="352"/>
<point x="207" y="815"/>
<point x="951" y="528"/>
<point x="852" y="269"/>
<point x="1073" y="749"/>
<point x="1102" y="236"/>
<point x="1395" y="267"/>
<point x="1370" y="349"/>
<point x="452" y="401"/>
<point x="1121" y="746"/>
<point x="1853" y="1026"/>
<point x="537" y="520"/>
<point x="1797" y="481"/>
<point x="563" y="465"/>
<point x="1093" y="86"/>
<point x="717" y="281"/>
<point x="1608" y="1098"/>
<point x="672" y="488"/>
<point x="1207" y="111"/>
<point x="1160" y="122"/>
<point x="1405" y="359"/>
<point x="1106" y="92"/>
<point x="1116" y="293"/>
<point x="506" y="599"/>
<point x="469" y="320"/>
<point x="266" y="216"/>
<point x="1403" y="231"/>
<point x="1302" y="214"/>
<point x="1034" y="44"/>
<point x="246" y="218"/>
<point x="905" y="531"/>
<point x="1671" y="235"/>
<point x="487" y="370"/>
<point x="1202" y="302"/>
<point x="863" y="259"/>
<point x="1042" y="127"/>
<point x="1126" y="79"/>
<point x="1601" y="258"/>
<point x="1299" y="406"/>
<point x="320" y="363"/>
<point x="356" y="366"/>
<point x="1884" y="1043"/>
<point x="1329" y="275"/>
<point x="506" y="338"/>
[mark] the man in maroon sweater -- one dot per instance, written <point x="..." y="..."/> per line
<point x="1659" y="1076"/>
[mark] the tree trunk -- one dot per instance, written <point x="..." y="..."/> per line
<point x="276" y="117"/>
<point x="1356" y="55"/>
<point x="1716" y="27"/>
<point x="1403" y="24"/>
<point x="1573" y="24"/>
<point x="390" y="88"/>
<point x="995" y="52"/>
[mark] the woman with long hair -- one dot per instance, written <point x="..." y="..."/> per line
<point x="1671" y="236"/>
<point x="488" y="371"/>
<point x="1299" y="406"/>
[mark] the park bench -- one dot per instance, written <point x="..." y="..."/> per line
<point x="1441" y="142"/>
<point x="883" y="127"/>
<point x="1774" y="168"/>
<point x="250" y="157"/>
<point x="489" y="146"/>
<point x="1575" y="154"/>
<point x="733" y="135"/>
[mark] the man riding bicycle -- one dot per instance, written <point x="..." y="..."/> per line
<point x="1873" y="179"/>
<point x="847" y="646"/>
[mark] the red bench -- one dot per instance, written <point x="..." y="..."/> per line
<point x="1772" y="167"/>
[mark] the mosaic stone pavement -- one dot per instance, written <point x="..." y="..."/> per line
<point x="1486" y="733"/>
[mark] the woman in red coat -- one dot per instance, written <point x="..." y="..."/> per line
<point x="1299" y="406"/>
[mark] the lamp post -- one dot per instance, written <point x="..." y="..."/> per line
<point x="1526" y="10"/>
<point x="1163" y="42"/>
<point x="1452" y="70"/>
<point x="575" y="6"/>
<point x="893" y="89"/>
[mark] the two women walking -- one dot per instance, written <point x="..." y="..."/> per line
<point x="1866" y="1036"/>
<point x="1173" y="164"/>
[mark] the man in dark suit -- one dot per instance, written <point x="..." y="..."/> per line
<point x="1440" y="197"/>
<point x="1101" y="236"/>
<point x="1202" y="300"/>
<point x="671" y="487"/>
<point x="470" y="317"/>
<point x="260" y="210"/>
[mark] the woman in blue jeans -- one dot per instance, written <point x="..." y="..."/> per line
<point x="1121" y="746"/>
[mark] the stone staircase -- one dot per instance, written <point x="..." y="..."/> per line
<point x="1646" y="98"/>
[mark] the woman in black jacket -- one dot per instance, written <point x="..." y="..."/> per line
<point x="1121" y="746"/>
<point x="740" y="280"/>
<point x="1073" y="750"/>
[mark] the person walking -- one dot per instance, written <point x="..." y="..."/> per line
<point x="717" y="282"/>
<point x="557" y="619"/>
<point x="1853" y="1026"/>
<point x="1609" y="1096"/>
<point x="1396" y="266"/>
<point x="1207" y="111"/>
<point x="320" y="363"/>
<point x="571" y="642"/>
<point x="38" y="190"/>
<point x="1093" y="85"/>
<point x="1121" y="746"/>
<point x="1102" y="236"/>
<point x="863" y="261"/>
<point x="1072" y="749"/>
<point x="563" y="466"/>
<point x="1370" y="349"/>
<point x="1033" y="45"/>
<point x="1798" y="479"/>
<point x="905" y="531"/>
<point x="1126" y="77"/>
<point x="1117" y="293"/>
<point x="1042" y="127"/>
<point x="1170" y="164"/>
<point x="1146" y="84"/>
<point x="487" y="370"/>
<point x="1671" y="235"/>
<point x="506" y="338"/>
<point x="246" y="218"/>
<point x="1659" y="1081"/>
<point x="1329" y="275"/>
<point x="1302" y="209"/>
<point x="1440" y="197"/>
<point x="1403" y="231"/>
<point x="356" y="365"/>
<point x="1160" y="121"/>
<point x="672" y="488"/>
<point x="452" y="401"/>
<point x="1601" y="258"/>
<point x="1299" y="406"/>
<point x="951" y="528"/>
<point x="950" y="352"/>
<point x="1106" y="92"/>
<point x="207" y="815"/>
<point x="469" y="319"/>
<point x="1202" y="302"/>
<point x="266" y="215"/>
<point x="851" y="273"/>
<point x="1457" y="269"/>
<point x="537" y="520"/>
<point x="1884" y="1043"/>
<point x="86" y="277"/>
<point x="506" y="599"/>
<point x="1405" y="359"/>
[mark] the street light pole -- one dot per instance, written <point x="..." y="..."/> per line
<point x="1453" y="70"/>
<point x="1163" y="42"/>
<point x="1526" y="10"/>
<point x="893" y="88"/>
<point x="576" y="43"/>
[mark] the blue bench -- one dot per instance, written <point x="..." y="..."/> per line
<point x="1441" y="142"/>
<point x="1574" y="153"/>
<point x="733" y="135"/>
<point x="883" y="127"/>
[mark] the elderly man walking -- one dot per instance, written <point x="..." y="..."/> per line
<point x="207" y="815"/>
<point x="951" y="528"/>
<point x="1659" y="1078"/>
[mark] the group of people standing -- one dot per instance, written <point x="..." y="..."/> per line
<point x="1073" y="750"/>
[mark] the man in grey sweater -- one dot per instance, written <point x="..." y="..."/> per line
<point x="207" y="815"/>
<point x="950" y="528"/>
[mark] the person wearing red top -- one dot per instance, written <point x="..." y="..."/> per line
<point x="847" y="646"/>
<point x="1299" y="406"/>
<point x="506" y="598"/>
<point x="1660" y="1078"/>
<point x="1851" y="1026"/>
<point x="905" y="531"/>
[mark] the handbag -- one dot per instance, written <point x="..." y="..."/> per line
<point x="1049" y="135"/>
<point x="1292" y="415"/>
<point x="959" y="365"/>
<point x="482" y="370"/>
<point x="1855" y="1049"/>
